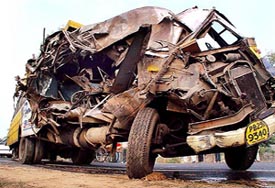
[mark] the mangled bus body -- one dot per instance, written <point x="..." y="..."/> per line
<point x="170" y="85"/>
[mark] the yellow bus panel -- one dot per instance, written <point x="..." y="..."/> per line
<point x="13" y="134"/>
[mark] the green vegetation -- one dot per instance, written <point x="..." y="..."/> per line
<point x="271" y="56"/>
<point x="269" y="142"/>
<point x="267" y="153"/>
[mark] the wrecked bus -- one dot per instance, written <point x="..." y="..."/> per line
<point x="169" y="84"/>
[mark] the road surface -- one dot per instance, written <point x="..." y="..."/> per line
<point x="259" y="171"/>
<point x="261" y="174"/>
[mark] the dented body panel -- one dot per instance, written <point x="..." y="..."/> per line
<point x="205" y="81"/>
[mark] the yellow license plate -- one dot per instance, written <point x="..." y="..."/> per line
<point x="256" y="132"/>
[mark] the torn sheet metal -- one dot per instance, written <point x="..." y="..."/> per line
<point x="98" y="36"/>
<point x="98" y="115"/>
<point x="221" y="122"/>
<point x="125" y="105"/>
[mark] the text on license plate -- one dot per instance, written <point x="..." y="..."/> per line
<point x="256" y="132"/>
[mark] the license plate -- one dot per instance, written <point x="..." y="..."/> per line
<point x="256" y="132"/>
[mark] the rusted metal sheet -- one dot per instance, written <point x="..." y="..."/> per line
<point x="125" y="105"/>
<point x="193" y="17"/>
<point x="98" y="36"/>
<point x="128" y="66"/>
<point x="221" y="122"/>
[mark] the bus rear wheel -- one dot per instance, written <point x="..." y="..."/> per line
<point x="26" y="150"/>
<point x="240" y="158"/>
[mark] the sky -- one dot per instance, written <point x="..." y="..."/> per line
<point x="22" y="23"/>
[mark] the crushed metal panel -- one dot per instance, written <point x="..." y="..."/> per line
<point x="127" y="70"/>
<point x="201" y="142"/>
<point x="193" y="17"/>
<point x="98" y="36"/>
<point x="46" y="85"/>
<point x="58" y="107"/>
<point x="125" y="105"/>
<point x="75" y="113"/>
<point x="221" y="122"/>
<point x="98" y="115"/>
<point x="230" y="138"/>
<point x="186" y="78"/>
<point x="165" y="34"/>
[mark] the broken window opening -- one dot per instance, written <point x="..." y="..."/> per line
<point x="216" y="35"/>
<point x="229" y="37"/>
<point x="99" y="62"/>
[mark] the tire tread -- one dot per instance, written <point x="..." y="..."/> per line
<point x="139" y="163"/>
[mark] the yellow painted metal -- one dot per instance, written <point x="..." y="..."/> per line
<point x="256" y="51"/>
<point x="153" y="68"/>
<point x="253" y="47"/>
<point x="13" y="134"/>
<point x="72" y="25"/>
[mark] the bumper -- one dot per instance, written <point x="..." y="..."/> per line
<point x="233" y="138"/>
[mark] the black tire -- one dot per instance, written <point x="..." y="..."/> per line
<point x="26" y="150"/>
<point x="83" y="157"/>
<point x="52" y="157"/>
<point x="240" y="158"/>
<point x="15" y="153"/>
<point x="140" y="160"/>
<point x="38" y="151"/>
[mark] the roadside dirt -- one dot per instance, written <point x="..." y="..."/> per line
<point x="12" y="176"/>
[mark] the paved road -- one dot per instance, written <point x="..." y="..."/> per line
<point x="262" y="172"/>
<point x="259" y="171"/>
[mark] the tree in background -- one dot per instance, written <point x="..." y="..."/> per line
<point x="3" y="140"/>
<point x="266" y="150"/>
<point x="271" y="57"/>
<point x="269" y="62"/>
